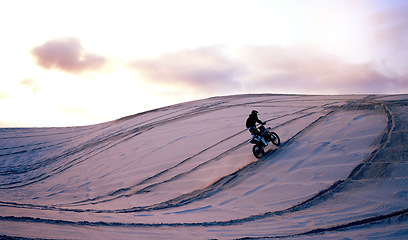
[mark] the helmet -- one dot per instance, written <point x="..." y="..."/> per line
<point x="254" y="112"/>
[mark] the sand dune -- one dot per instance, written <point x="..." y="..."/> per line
<point x="187" y="172"/>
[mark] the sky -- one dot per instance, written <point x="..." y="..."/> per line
<point x="70" y="63"/>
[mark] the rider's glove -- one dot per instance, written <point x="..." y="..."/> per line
<point x="263" y="123"/>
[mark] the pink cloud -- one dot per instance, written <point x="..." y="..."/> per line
<point x="391" y="27"/>
<point x="206" y="69"/>
<point x="390" y="38"/>
<point x="309" y="70"/>
<point x="68" y="55"/>
<point x="300" y="69"/>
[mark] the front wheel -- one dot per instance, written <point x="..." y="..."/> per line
<point x="275" y="139"/>
<point x="258" y="151"/>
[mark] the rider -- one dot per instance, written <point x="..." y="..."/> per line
<point x="251" y="121"/>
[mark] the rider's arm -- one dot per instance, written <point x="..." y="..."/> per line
<point x="260" y="122"/>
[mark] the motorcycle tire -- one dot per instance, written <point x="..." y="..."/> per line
<point x="258" y="151"/>
<point x="275" y="139"/>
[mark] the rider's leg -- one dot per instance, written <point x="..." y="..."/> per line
<point x="254" y="131"/>
<point x="257" y="135"/>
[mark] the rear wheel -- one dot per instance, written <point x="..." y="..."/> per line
<point x="258" y="151"/>
<point x="275" y="139"/>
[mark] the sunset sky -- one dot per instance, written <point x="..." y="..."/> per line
<point x="68" y="63"/>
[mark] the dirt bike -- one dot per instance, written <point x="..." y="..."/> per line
<point x="262" y="141"/>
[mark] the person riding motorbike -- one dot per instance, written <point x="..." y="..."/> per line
<point x="250" y="124"/>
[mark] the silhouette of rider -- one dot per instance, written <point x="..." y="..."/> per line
<point x="251" y="121"/>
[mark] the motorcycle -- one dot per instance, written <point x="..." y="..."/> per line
<point x="262" y="141"/>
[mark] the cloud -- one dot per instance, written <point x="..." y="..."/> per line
<point x="204" y="69"/>
<point x="305" y="69"/>
<point x="295" y="69"/>
<point x="30" y="83"/>
<point x="4" y="95"/>
<point x="68" y="55"/>
<point x="390" y="37"/>
<point x="391" y="27"/>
